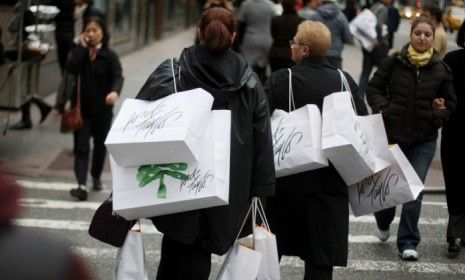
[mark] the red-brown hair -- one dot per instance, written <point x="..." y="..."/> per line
<point x="216" y="28"/>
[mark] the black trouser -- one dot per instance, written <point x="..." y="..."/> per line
<point x="96" y="127"/>
<point x="64" y="45"/>
<point x="317" y="272"/>
<point x="179" y="261"/>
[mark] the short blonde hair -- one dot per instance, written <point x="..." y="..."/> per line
<point x="315" y="35"/>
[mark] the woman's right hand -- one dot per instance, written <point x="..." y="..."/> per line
<point x="83" y="40"/>
<point x="438" y="104"/>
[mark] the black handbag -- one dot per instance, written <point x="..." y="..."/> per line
<point x="109" y="227"/>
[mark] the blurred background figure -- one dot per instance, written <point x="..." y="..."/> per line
<point x="453" y="151"/>
<point x="380" y="51"/>
<point x="101" y="81"/>
<point x="331" y="16"/>
<point x="283" y="28"/>
<point x="64" y="30"/>
<point x="435" y="13"/>
<point x="309" y="9"/>
<point x="254" y="39"/>
<point x="33" y="68"/>
<point x="393" y="23"/>
<point x="351" y="9"/>
<point x="412" y="119"/>
<point x="29" y="254"/>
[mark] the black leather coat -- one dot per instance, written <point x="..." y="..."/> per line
<point x="235" y="87"/>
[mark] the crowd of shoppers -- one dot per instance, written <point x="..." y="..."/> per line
<point x="412" y="89"/>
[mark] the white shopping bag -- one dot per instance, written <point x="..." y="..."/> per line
<point x="363" y="28"/>
<point x="258" y="260"/>
<point x="393" y="186"/>
<point x="357" y="146"/>
<point x="164" y="131"/>
<point x="242" y="263"/>
<point x="297" y="138"/>
<point x="265" y="243"/>
<point x="159" y="189"/>
<point x="130" y="261"/>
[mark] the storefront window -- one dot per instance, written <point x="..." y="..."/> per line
<point x="123" y="16"/>
<point x="101" y="5"/>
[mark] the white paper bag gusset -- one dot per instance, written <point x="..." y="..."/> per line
<point x="356" y="145"/>
<point x="163" y="131"/>
<point x="297" y="140"/>
<point x="130" y="261"/>
<point x="265" y="243"/>
<point x="395" y="185"/>
<point x="241" y="263"/>
<point x="159" y="189"/>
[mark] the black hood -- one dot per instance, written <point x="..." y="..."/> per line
<point x="219" y="74"/>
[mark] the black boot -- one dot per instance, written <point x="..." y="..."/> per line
<point x="80" y="193"/>
<point x="25" y="122"/>
<point x="97" y="184"/>
<point x="44" y="108"/>
<point x="454" y="248"/>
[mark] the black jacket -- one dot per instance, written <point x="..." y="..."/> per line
<point x="235" y="87"/>
<point x="405" y="96"/>
<point x="98" y="78"/>
<point x="310" y="213"/>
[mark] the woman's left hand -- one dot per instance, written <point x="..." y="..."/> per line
<point x="438" y="104"/>
<point x="111" y="98"/>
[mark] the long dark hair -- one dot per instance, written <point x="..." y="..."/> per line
<point x="99" y="21"/>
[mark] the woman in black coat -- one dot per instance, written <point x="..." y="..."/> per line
<point x="310" y="212"/>
<point x="191" y="237"/>
<point x="453" y="151"/>
<point x="100" y="73"/>
<point x="413" y="91"/>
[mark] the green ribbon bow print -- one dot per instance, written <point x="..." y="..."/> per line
<point x="151" y="172"/>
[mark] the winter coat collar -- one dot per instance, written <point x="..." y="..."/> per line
<point x="402" y="57"/>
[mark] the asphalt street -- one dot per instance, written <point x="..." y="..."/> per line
<point x="42" y="163"/>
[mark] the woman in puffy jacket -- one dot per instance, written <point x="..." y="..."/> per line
<point x="413" y="91"/>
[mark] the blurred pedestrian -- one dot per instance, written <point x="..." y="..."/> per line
<point x="351" y="9"/>
<point x="27" y="253"/>
<point x="309" y="9"/>
<point x="99" y="70"/>
<point x="309" y="213"/>
<point x="453" y="152"/>
<point x="393" y="23"/>
<point x="189" y="238"/>
<point x="254" y="33"/>
<point x="440" y="37"/>
<point x="331" y="16"/>
<point x="283" y="28"/>
<point x="380" y="51"/>
<point x="404" y="90"/>
<point x="33" y="58"/>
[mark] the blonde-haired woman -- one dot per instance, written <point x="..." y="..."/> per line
<point x="310" y="213"/>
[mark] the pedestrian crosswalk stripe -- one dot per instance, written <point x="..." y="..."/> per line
<point x="286" y="261"/>
<point x="63" y="204"/>
<point x="53" y="186"/>
<point x="63" y="186"/>
<point x="148" y="228"/>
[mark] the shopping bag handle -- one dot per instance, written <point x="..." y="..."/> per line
<point x="291" y="92"/>
<point x="174" y="77"/>
<point x="345" y="85"/>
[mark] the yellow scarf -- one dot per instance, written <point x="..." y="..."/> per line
<point x="419" y="59"/>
